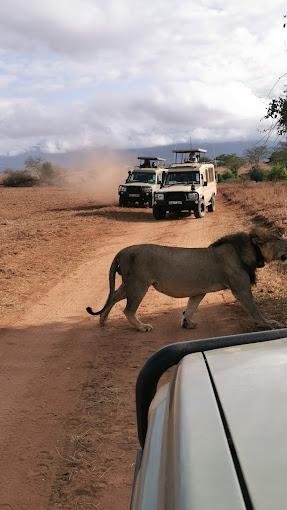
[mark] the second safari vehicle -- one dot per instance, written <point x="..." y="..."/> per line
<point x="142" y="182"/>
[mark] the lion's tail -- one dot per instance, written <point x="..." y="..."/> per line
<point x="112" y="276"/>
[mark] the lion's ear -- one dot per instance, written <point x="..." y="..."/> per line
<point x="259" y="236"/>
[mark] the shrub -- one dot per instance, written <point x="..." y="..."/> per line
<point x="257" y="174"/>
<point x="47" y="173"/>
<point x="228" y="176"/>
<point x="278" y="173"/>
<point x="19" y="178"/>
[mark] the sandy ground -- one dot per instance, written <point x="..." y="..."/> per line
<point x="67" y="412"/>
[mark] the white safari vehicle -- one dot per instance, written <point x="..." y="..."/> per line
<point x="214" y="438"/>
<point x="142" y="182"/>
<point x="189" y="185"/>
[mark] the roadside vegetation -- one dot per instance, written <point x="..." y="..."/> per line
<point x="263" y="165"/>
<point x="265" y="202"/>
<point x="37" y="172"/>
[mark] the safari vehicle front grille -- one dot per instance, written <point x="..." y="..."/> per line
<point x="175" y="195"/>
<point x="134" y="189"/>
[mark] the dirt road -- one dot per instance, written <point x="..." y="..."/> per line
<point x="67" y="412"/>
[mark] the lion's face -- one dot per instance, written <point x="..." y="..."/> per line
<point x="272" y="246"/>
<point x="274" y="249"/>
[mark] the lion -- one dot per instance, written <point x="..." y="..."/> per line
<point x="229" y="263"/>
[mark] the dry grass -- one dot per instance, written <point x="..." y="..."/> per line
<point x="266" y="203"/>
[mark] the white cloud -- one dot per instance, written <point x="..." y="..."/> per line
<point x="80" y="72"/>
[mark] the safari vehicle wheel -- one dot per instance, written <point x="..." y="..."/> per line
<point x="211" y="206"/>
<point x="159" y="213"/>
<point x="199" y="212"/>
<point x="122" y="202"/>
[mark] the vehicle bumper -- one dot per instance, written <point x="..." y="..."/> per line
<point x="177" y="205"/>
<point x="135" y="197"/>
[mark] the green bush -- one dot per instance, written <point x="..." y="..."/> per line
<point x="19" y="178"/>
<point x="257" y="174"/>
<point x="278" y="173"/>
<point x="228" y="176"/>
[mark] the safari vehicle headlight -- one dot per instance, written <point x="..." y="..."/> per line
<point x="147" y="189"/>
<point x="192" y="196"/>
<point x="159" y="196"/>
<point x="122" y="188"/>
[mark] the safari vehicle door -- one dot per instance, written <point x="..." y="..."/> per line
<point x="215" y="436"/>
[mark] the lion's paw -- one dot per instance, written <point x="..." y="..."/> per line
<point x="145" y="327"/>
<point x="188" y="323"/>
<point x="103" y="319"/>
<point x="274" y="324"/>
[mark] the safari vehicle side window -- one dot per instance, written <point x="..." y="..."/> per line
<point x="210" y="174"/>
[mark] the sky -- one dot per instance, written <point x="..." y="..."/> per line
<point x="76" y="74"/>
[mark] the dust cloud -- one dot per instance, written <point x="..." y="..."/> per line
<point x="100" y="176"/>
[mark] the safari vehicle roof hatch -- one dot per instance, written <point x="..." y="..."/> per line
<point x="214" y="437"/>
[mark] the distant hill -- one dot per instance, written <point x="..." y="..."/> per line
<point x="80" y="158"/>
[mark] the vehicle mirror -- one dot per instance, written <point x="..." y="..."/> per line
<point x="205" y="183"/>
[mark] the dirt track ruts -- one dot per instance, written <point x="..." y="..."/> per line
<point x="67" y="412"/>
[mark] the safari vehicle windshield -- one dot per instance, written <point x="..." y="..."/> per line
<point x="142" y="177"/>
<point x="192" y="177"/>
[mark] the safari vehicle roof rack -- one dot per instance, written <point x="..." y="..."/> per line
<point x="191" y="152"/>
<point x="152" y="159"/>
<point x="185" y="151"/>
<point x="171" y="355"/>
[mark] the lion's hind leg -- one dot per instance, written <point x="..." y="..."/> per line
<point x="119" y="294"/>
<point x="191" y="306"/>
<point x="135" y="295"/>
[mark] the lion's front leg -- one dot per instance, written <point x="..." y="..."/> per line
<point x="191" y="306"/>
<point x="245" y="297"/>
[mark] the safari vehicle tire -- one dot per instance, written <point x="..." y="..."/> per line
<point x="122" y="202"/>
<point x="159" y="213"/>
<point x="211" y="206"/>
<point x="199" y="212"/>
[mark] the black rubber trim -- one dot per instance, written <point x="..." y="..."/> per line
<point x="171" y="355"/>
<point x="232" y="449"/>
<point x="137" y="468"/>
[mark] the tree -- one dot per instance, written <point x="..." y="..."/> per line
<point x="33" y="164"/>
<point x="47" y="173"/>
<point x="231" y="161"/>
<point x="277" y="111"/>
<point x="256" y="154"/>
<point x="279" y="155"/>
